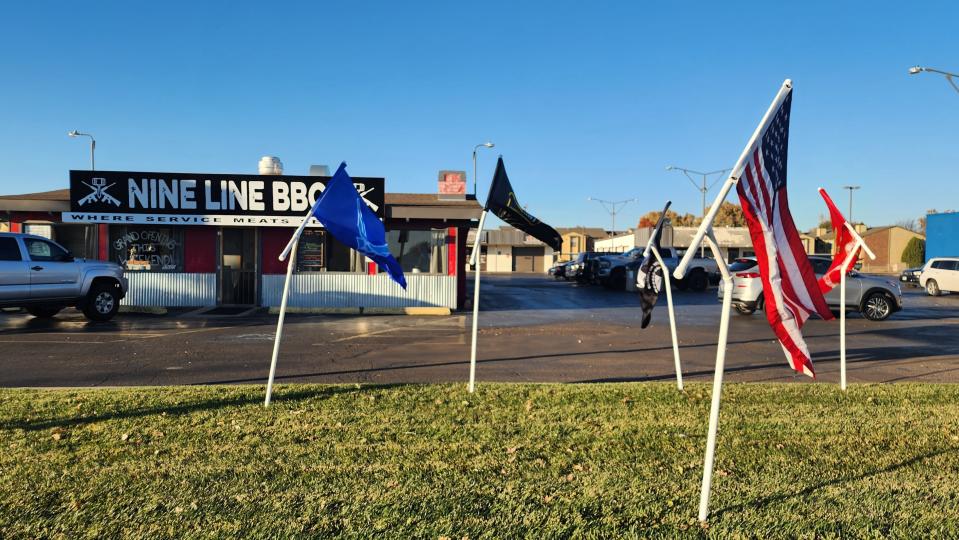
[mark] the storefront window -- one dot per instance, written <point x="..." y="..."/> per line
<point x="422" y="251"/>
<point x="147" y="249"/>
<point x="81" y="240"/>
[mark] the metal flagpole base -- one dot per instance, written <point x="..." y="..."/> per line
<point x="475" y="261"/>
<point x="717" y="379"/>
<point x="672" y="316"/>
<point x="842" y="329"/>
<point x="279" y="324"/>
<point x="846" y="266"/>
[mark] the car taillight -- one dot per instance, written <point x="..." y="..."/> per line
<point x="748" y="274"/>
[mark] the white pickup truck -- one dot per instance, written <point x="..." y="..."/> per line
<point x="619" y="271"/>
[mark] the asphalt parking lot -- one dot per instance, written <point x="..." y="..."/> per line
<point x="533" y="329"/>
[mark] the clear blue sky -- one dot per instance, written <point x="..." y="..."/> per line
<point x="581" y="98"/>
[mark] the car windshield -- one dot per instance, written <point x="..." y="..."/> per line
<point x="739" y="265"/>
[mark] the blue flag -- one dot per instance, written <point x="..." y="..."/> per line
<point x="344" y="213"/>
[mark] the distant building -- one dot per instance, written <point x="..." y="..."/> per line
<point x="887" y="243"/>
<point x="822" y="240"/>
<point x="510" y="250"/>
<point x="942" y="235"/>
<point x="577" y="240"/>
<point x="616" y="244"/>
<point x="734" y="242"/>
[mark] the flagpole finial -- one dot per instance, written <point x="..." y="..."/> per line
<point x="788" y="83"/>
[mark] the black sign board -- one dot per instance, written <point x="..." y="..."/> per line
<point x="203" y="199"/>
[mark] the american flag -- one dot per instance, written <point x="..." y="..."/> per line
<point x="790" y="288"/>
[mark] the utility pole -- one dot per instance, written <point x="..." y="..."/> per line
<point x="851" y="189"/>
<point x="704" y="189"/>
<point x="613" y="208"/>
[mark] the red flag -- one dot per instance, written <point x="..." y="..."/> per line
<point x="844" y="242"/>
<point x="789" y="283"/>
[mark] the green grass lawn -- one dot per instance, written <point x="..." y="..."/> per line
<point x="427" y="461"/>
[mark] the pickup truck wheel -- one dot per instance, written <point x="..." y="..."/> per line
<point x="877" y="307"/>
<point x="618" y="279"/>
<point x="743" y="310"/>
<point x="698" y="281"/>
<point x="103" y="302"/>
<point x="43" y="312"/>
<point x="932" y="288"/>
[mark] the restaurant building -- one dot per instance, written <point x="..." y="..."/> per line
<point x="193" y="240"/>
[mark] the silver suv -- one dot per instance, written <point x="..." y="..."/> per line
<point x="875" y="297"/>
<point x="42" y="277"/>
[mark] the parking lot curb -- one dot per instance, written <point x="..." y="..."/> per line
<point x="147" y="310"/>
<point x="434" y="311"/>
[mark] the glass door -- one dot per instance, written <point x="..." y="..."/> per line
<point x="238" y="266"/>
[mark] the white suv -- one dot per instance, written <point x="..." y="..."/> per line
<point x="940" y="274"/>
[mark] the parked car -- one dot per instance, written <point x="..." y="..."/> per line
<point x="911" y="275"/>
<point x="583" y="267"/>
<point x="875" y="297"/>
<point x="940" y="274"/>
<point x="42" y="277"/>
<point x="558" y="271"/>
<point x="617" y="271"/>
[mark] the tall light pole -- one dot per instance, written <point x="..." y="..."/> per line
<point x="704" y="189"/>
<point x="93" y="145"/>
<point x="851" y="189"/>
<point x="613" y="208"/>
<point x="915" y="70"/>
<point x="486" y="144"/>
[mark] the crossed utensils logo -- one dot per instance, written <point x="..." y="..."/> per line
<point x="99" y="187"/>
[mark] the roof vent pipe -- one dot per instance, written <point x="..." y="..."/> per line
<point x="271" y="165"/>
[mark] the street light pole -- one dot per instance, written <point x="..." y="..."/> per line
<point x="93" y="146"/>
<point x="486" y="144"/>
<point x="851" y="189"/>
<point x="613" y="207"/>
<point x="915" y="70"/>
<point x="704" y="189"/>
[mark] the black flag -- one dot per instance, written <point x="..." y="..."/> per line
<point x="650" y="274"/>
<point x="502" y="202"/>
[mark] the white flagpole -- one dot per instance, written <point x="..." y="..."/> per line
<point x="705" y="233"/>
<point x="717" y="377"/>
<point x="672" y="316"/>
<point x="846" y="266"/>
<point x="731" y="181"/>
<point x="299" y="230"/>
<point x="474" y="260"/>
<point x="279" y="323"/>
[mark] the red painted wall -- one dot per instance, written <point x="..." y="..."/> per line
<point x="199" y="250"/>
<point x="451" y="257"/>
<point x="461" y="256"/>
<point x="273" y="240"/>
<point x="103" y="242"/>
